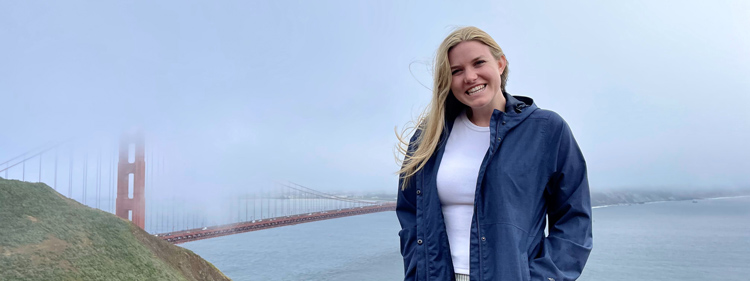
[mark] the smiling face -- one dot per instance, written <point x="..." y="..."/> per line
<point x="476" y="78"/>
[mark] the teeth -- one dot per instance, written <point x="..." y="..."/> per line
<point x="475" y="89"/>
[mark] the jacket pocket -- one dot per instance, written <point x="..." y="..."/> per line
<point x="409" y="251"/>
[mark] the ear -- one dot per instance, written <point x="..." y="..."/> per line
<point x="501" y="63"/>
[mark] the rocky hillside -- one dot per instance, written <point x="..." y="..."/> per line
<point x="45" y="236"/>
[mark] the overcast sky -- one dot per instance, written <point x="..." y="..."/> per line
<point x="241" y="93"/>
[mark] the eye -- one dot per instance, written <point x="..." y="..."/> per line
<point x="455" y="71"/>
<point x="479" y="62"/>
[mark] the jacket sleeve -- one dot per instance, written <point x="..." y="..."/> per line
<point x="406" y="211"/>
<point x="566" y="248"/>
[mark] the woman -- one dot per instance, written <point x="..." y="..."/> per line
<point x="483" y="171"/>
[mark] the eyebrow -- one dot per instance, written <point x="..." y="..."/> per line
<point x="474" y="60"/>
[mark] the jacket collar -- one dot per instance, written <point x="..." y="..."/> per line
<point x="517" y="109"/>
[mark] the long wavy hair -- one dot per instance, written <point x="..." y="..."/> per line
<point x="431" y="122"/>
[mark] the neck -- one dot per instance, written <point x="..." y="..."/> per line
<point x="482" y="116"/>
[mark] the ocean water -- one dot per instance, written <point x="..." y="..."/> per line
<point x="707" y="240"/>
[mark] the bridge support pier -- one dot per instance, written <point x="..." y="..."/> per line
<point x="132" y="208"/>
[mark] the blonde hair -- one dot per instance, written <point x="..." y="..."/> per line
<point x="432" y="120"/>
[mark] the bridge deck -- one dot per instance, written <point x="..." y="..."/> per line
<point x="229" y="229"/>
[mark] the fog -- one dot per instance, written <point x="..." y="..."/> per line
<point x="241" y="94"/>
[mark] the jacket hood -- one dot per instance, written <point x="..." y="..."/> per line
<point x="517" y="103"/>
<point x="517" y="109"/>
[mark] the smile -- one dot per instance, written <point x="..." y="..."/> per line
<point x="476" y="89"/>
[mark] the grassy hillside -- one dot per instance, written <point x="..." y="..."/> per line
<point x="45" y="236"/>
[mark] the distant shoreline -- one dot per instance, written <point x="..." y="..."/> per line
<point x="663" y="201"/>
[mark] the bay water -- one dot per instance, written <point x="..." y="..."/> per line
<point x="681" y="240"/>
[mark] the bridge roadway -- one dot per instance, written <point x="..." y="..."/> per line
<point x="229" y="229"/>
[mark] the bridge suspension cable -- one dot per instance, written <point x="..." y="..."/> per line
<point x="323" y="194"/>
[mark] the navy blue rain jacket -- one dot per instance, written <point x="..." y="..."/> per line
<point x="533" y="169"/>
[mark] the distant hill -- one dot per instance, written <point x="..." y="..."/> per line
<point x="642" y="195"/>
<point x="45" y="236"/>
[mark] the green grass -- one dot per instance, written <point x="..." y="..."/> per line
<point x="45" y="236"/>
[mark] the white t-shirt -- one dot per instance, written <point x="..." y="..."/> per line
<point x="456" y="184"/>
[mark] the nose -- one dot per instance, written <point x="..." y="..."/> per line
<point x="469" y="76"/>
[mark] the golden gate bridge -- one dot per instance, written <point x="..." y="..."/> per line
<point x="128" y="180"/>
